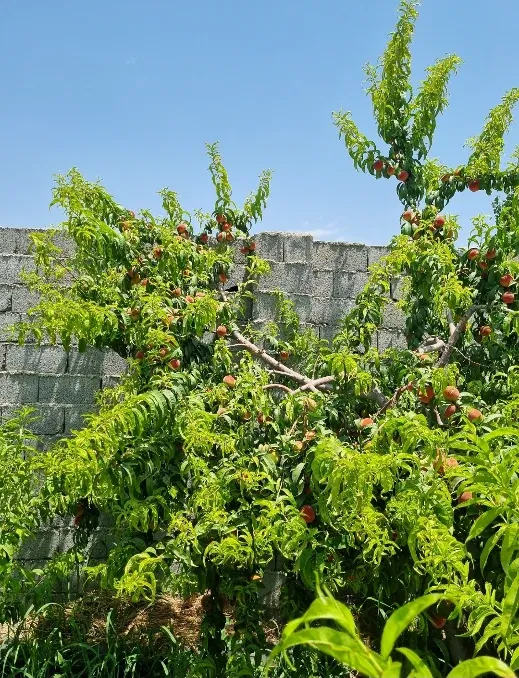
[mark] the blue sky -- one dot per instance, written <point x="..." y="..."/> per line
<point x="130" y="90"/>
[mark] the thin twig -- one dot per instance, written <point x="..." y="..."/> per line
<point x="391" y="402"/>
<point x="438" y="418"/>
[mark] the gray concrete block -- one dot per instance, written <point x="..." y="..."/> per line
<point x="237" y="275"/>
<point x="29" y="358"/>
<point x="6" y="293"/>
<point x="375" y="253"/>
<point x="74" y="416"/>
<point x="298" y="248"/>
<point x="45" y="442"/>
<point x="93" y="361"/>
<point x="348" y="285"/>
<point x="288" y="277"/>
<point x="68" y="389"/>
<point x="340" y="256"/>
<point x="46" y="543"/>
<point x="6" y="321"/>
<point x="11" y="266"/>
<point x="49" y="420"/>
<point x="110" y="381"/>
<point x="23" y="299"/>
<point x="18" y="389"/>
<point x="397" y="286"/>
<point x="65" y="243"/>
<point x="322" y="283"/>
<point x="3" y="350"/>
<point x="394" y="317"/>
<point x="273" y="583"/>
<point x="328" y="332"/>
<point x="329" y="311"/>
<point x="101" y="543"/>
<point x="15" y="240"/>
<point x="390" y="339"/>
<point x="264" y="306"/>
<point x="269" y="245"/>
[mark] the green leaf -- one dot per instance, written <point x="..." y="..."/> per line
<point x="479" y="666"/>
<point x="510" y="607"/>
<point x="421" y="670"/>
<point x="400" y="620"/>
<point x="484" y="521"/>
<point x="336" y="644"/>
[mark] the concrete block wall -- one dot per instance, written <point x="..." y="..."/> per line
<point x="322" y="279"/>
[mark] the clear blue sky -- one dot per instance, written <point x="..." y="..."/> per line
<point x="129" y="91"/>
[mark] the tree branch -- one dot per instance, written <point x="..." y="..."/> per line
<point x="317" y="382"/>
<point x="458" y="331"/>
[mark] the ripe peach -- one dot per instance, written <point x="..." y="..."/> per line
<point x="307" y="513"/>
<point x="451" y="393"/>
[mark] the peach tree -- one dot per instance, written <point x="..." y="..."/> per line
<point x="382" y="476"/>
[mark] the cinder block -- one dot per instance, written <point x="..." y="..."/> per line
<point x="237" y="275"/>
<point x="68" y="389"/>
<point x="394" y="317"/>
<point x="94" y="361"/>
<point x="65" y="243"/>
<point x="101" y="543"/>
<point x="269" y="245"/>
<point x="390" y="339"/>
<point x="6" y="293"/>
<point x="15" y="240"/>
<point x="18" y="389"/>
<point x="298" y="248"/>
<point x="74" y="416"/>
<point x="43" y="360"/>
<point x="328" y="332"/>
<point x="11" y="265"/>
<point x="349" y="285"/>
<point x="376" y="253"/>
<point x="3" y="350"/>
<point x="264" y="306"/>
<point x="340" y="256"/>
<point x="322" y="283"/>
<point x="288" y="277"/>
<point x="49" y="420"/>
<point x="6" y="321"/>
<point x="304" y="307"/>
<point x="397" y="286"/>
<point x="273" y="583"/>
<point x="23" y="299"/>
<point x="329" y="311"/>
<point x="46" y="543"/>
<point x="110" y="381"/>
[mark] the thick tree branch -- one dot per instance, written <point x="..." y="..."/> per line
<point x="272" y="362"/>
<point x="455" y="336"/>
<point x="307" y="384"/>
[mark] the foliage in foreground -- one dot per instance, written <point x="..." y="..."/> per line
<point x="343" y="642"/>
<point x="387" y="475"/>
